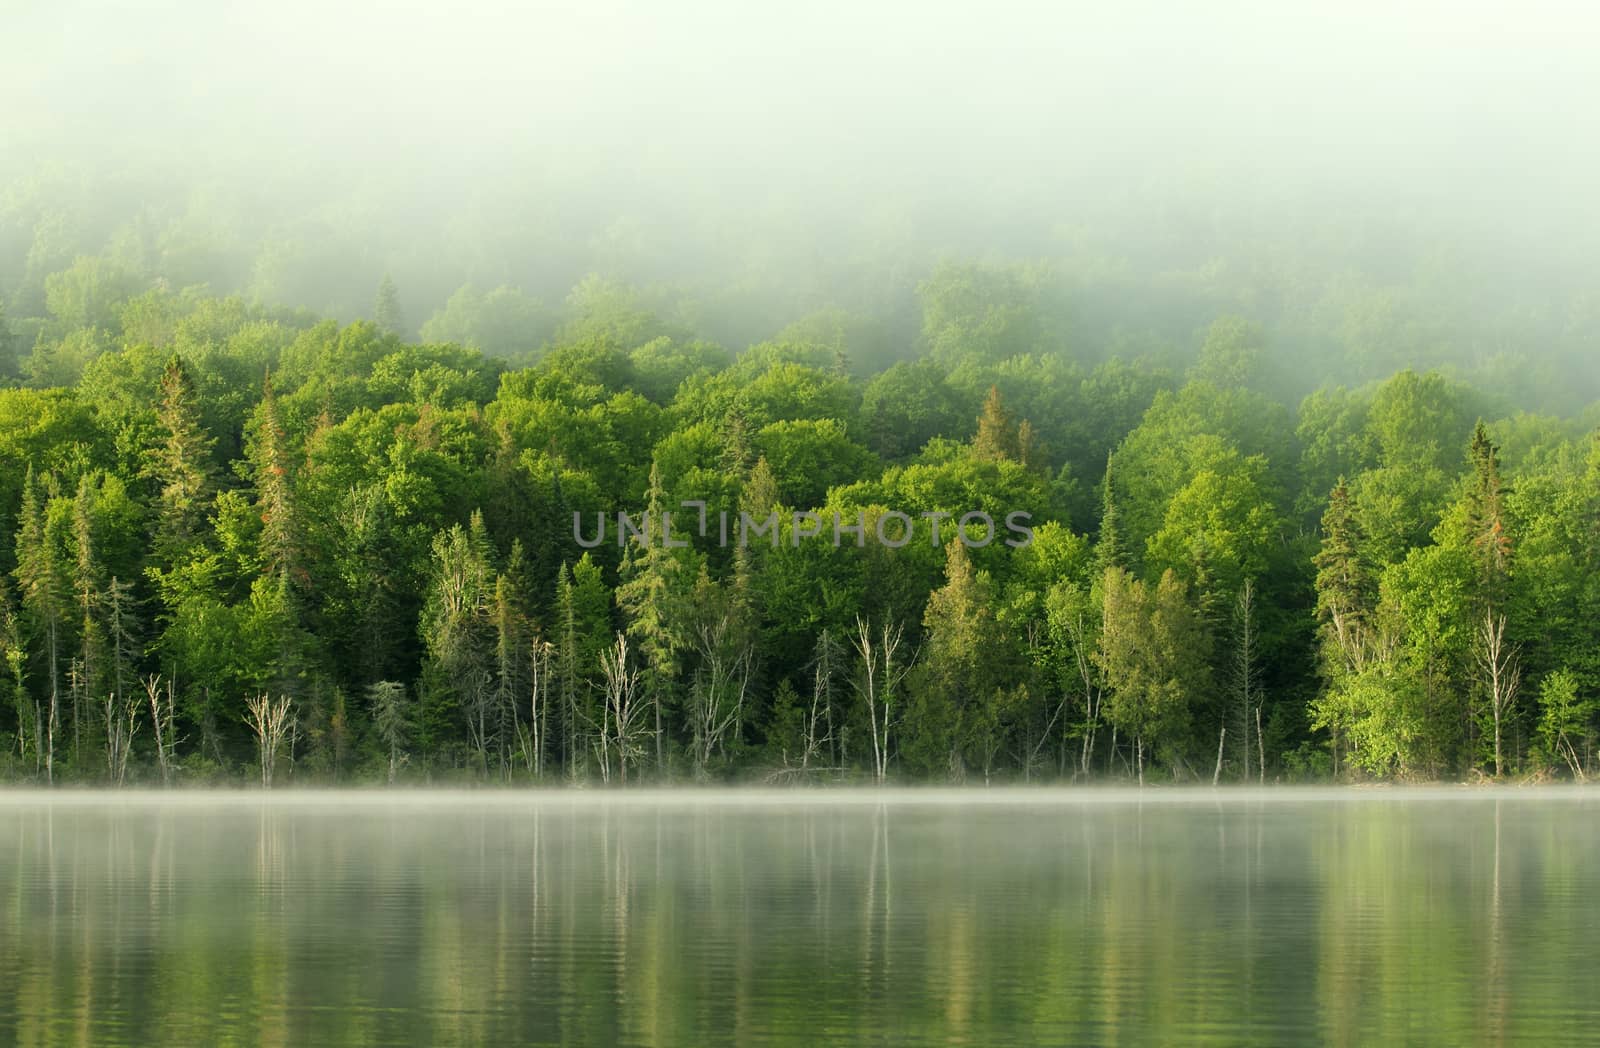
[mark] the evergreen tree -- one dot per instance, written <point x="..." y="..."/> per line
<point x="513" y="642"/>
<point x="1344" y="586"/>
<point x="1246" y="680"/>
<point x="387" y="699"/>
<point x="583" y="626"/>
<point x="954" y="711"/>
<point x="88" y="595"/>
<point x="122" y="631"/>
<point x="654" y="598"/>
<point x="458" y="631"/>
<point x="1495" y="656"/>
<point x="568" y="681"/>
<point x="13" y="676"/>
<point x="281" y="542"/>
<point x="1109" y="551"/>
<point x="1490" y="535"/>
<point x="44" y="587"/>
<point x="997" y="431"/>
<point x="182" y="465"/>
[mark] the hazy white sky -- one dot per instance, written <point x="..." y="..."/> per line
<point x="1465" y="112"/>
<point x="697" y="82"/>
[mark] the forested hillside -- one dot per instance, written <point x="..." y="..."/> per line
<point x="242" y="542"/>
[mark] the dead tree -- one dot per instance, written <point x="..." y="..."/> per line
<point x="720" y="687"/>
<point x="1500" y="672"/>
<point x="877" y="684"/>
<point x="622" y="729"/>
<point x="272" y="721"/>
<point x="533" y="737"/>
<point x="122" y="721"/>
<point x="1261" y="750"/>
<point x="163" y="715"/>
<point x="819" y="720"/>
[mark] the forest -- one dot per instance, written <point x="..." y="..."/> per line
<point x="1327" y="523"/>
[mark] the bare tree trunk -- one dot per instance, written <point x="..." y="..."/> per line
<point x="77" y="680"/>
<point x="569" y="693"/>
<point x="1216" y="775"/>
<point x="1245" y="771"/>
<point x="161" y="718"/>
<point x="621" y="689"/>
<point x="122" y="721"/>
<point x="717" y="696"/>
<point x="534" y="742"/>
<point x="543" y="719"/>
<point x="877" y="687"/>
<point x="1500" y="673"/>
<point x="868" y="688"/>
<point x="270" y="720"/>
<point x="1261" y="750"/>
<point x="1570" y="754"/>
<point x="1092" y="695"/>
<point x="820" y="684"/>
<point x="55" y="709"/>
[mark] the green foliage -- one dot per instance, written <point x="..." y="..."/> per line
<point x="501" y="323"/>
<point x="991" y="312"/>
<point x="1218" y="529"/>
<point x="8" y="349"/>
<point x="383" y="531"/>
<point x="386" y="311"/>
<point x="89" y="293"/>
<point x="1566" y="719"/>
<point x="1153" y="652"/>
<point x="908" y="405"/>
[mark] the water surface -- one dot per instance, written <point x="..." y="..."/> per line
<point x="980" y="918"/>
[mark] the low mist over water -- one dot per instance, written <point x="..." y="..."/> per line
<point x="1433" y="916"/>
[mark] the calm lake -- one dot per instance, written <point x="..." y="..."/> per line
<point x="692" y="918"/>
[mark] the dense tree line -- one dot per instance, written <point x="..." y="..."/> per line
<point x="240" y="542"/>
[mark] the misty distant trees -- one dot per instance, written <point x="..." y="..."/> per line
<point x="386" y="311"/>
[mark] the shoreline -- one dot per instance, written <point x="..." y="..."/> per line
<point x="502" y="799"/>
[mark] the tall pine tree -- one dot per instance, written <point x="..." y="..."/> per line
<point x="182" y="465"/>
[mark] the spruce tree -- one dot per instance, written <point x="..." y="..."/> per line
<point x="182" y="465"/>
<point x="566" y="664"/>
<point x="458" y="631"/>
<point x="13" y="674"/>
<point x="1108" y="550"/>
<point x="42" y="580"/>
<point x="997" y="432"/>
<point x="281" y="543"/>
<point x="654" y="598"/>
<point x="1491" y="538"/>
<point x="88" y="595"/>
